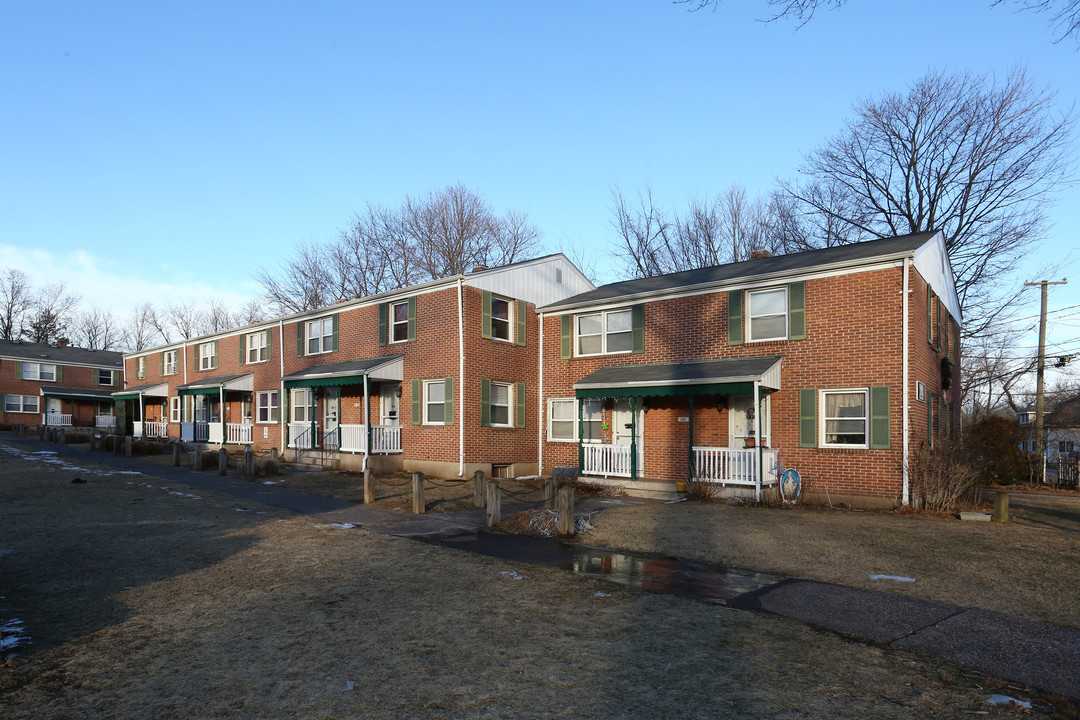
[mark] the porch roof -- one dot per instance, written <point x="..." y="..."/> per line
<point x="735" y="376"/>
<point x="133" y="393"/>
<point x="348" y="372"/>
<point x="212" y="385"/>
<point x="74" y="393"/>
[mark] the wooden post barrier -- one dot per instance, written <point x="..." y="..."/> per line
<point x="176" y="455"/>
<point x="478" y="489"/>
<point x="1001" y="507"/>
<point x="418" y="504"/>
<point x="369" y="487"/>
<point x="127" y="446"/>
<point x="196" y="458"/>
<point x="566" y="510"/>
<point x="222" y="461"/>
<point x="63" y="436"/>
<point x="274" y="454"/>
<point x="249" y="463"/>
<point x="494" y="502"/>
<point x="41" y="432"/>
<point x="93" y="440"/>
<point x="551" y="489"/>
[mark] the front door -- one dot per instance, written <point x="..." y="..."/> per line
<point x="53" y="407"/>
<point x="623" y="429"/>
<point x="331" y="404"/>
<point x="388" y="405"/>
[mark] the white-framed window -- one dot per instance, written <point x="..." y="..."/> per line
<point x="320" y="335"/>
<point x="920" y="393"/>
<point x="767" y="316"/>
<point x="845" y="420"/>
<point x="207" y="356"/>
<point x="266" y="406"/>
<point x="104" y="377"/>
<point x="174" y="409"/>
<point x="1065" y="446"/>
<point x="399" y="321"/>
<point x="605" y="332"/>
<point x="170" y="362"/>
<point x="140" y="367"/>
<point x="256" y="347"/>
<point x="501" y="323"/>
<point x="21" y="403"/>
<point x="501" y="399"/>
<point x="39" y="371"/>
<point x="303" y="405"/>
<point x="434" y="402"/>
<point x="562" y="419"/>
<point x="592" y="421"/>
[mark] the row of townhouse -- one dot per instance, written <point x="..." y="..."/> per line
<point x="839" y="363"/>
<point x="59" y="385"/>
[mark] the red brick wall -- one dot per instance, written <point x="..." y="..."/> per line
<point x="72" y="376"/>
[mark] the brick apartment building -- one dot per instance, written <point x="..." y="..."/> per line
<point x="837" y="362"/>
<point x="58" y="384"/>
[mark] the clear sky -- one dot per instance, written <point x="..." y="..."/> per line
<point x="162" y="151"/>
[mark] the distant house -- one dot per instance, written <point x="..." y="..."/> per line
<point x="839" y="363"/>
<point x="1063" y="431"/>
<point x="58" y="384"/>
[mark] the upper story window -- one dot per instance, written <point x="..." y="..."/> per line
<point x="257" y="347"/>
<point x="208" y="355"/>
<point x="320" y="335"/>
<point x="767" y="315"/>
<point x="501" y="326"/>
<point x="39" y="371"/>
<point x="170" y="362"/>
<point x="605" y="332"/>
<point x="845" y="419"/>
<point x="140" y="367"/>
<point x="399" y="321"/>
<point x="104" y="377"/>
<point x="500" y="404"/>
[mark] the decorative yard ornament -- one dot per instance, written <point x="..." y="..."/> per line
<point x="790" y="485"/>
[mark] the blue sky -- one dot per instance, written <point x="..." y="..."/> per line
<point x="164" y="150"/>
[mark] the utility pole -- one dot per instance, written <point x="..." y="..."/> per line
<point x="1040" y="443"/>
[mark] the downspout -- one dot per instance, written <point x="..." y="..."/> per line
<point x="460" y="404"/>
<point x="905" y="392"/>
<point x="540" y="404"/>
<point x="282" y="400"/>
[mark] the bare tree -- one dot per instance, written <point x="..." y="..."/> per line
<point x="1064" y="14"/>
<point x="141" y="326"/>
<point x="253" y="311"/>
<point x="972" y="156"/>
<point x="644" y="234"/>
<point x="51" y="312"/>
<point x="216" y="316"/>
<point x="97" y="329"/>
<point x="305" y="281"/>
<point x="186" y="319"/>
<point x="16" y="298"/>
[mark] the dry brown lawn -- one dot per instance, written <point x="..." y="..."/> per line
<point x="145" y="599"/>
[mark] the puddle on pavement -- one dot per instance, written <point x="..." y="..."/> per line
<point x="699" y="581"/>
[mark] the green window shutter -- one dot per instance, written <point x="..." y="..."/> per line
<point x="299" y="338"/>
<point x="334" y="341"/>
<point x="520" y="308"/>
<point x="567" y="336"/>
<point x="417" y="403"/>
<point x="115" y="377"/>
<point x="940" y="323"/>
<point x="59" y="373"/>
<point x="485" y="402"/>
<point x="384" y="311"/>
<point x="929" y="315"/>
<point x="269" y="348"/>
<point x="449" y="414"/>
<point x="94" y="376"/>
<point x="485" y="327"/>
<point x="243" y="339"/>
<point x="808" y="418"/>
<point x="412" y="319"/>
<point x="734" y="317"/>
<point x="637" y="324"/>
<point x="879" y="417"/>
<point x="797" y="311"/>
<point x="18" y="369"/>
<point x="215" y="363"/>
<point x="519" y="399"/>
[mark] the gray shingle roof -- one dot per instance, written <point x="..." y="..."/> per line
<point x="841" y="255"/>
<point x="39" y="352"/>
<point x="702" y="371"/>
<point x="88" y="393"/>
<point x="346" y="368"/>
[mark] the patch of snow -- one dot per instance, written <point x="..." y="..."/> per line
<point x="339" y="526"/>
<point x="601" y="594"/>
<point x="612" y="502"/>
<point x="1006" y="700"/>
<point x="11" y="634"/>
<point x="4" y="552"/>
<point x="513" y="575"/>
<point x="672" y="502"/>
<point x="241" y="510"/>
<point x="349" y="684"/>
<point x="272" y="482"/>
<point x="894" y="578"/>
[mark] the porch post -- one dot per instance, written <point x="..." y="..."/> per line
<point x="580" y="436"/>
<point x="633" y="439"/>
<point x="367" y="422"/>
<point x="757" y="433"/>
<point x="312" y="409"/>
<point x="221" y="411"/>
<point x="142" y="413"/>
<point x="691" y="450"/>
<point x="288" y="410"/>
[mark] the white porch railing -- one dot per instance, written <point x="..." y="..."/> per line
<point x="238" y="433"/>
<point x="56" y="419"/>
<point x="607" y="460"/>
<point x="385" y="439"/>
<point x="300" y="435"/>
<point x="150" y="428"/>
<point x="735" y="466"/>
<point x="216" y="433"/>
<point x="104" y="422"/>
<point x="202" y="432"/>
<point x="330" y="440"/>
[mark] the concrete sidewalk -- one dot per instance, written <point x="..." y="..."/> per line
<point x="1042" y="656"/>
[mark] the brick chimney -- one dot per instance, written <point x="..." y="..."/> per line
<point x="758" y="253"/>
<point x="62" y="342"/>
<point x="480" y="268"/>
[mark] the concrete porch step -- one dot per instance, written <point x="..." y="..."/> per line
<point x="655" y="489"/>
